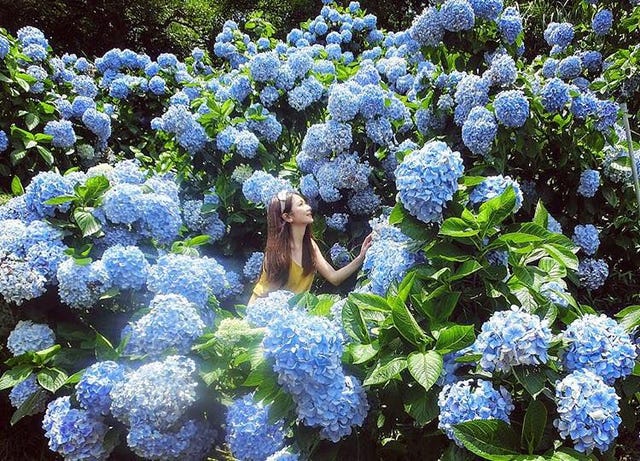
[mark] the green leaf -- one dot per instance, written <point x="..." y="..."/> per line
<point x="59" y="200"/>
<point x="405" y="286"/>
<point x="535" y="420"/>
<point x="420" y="405"/>
<point x="370" y="301"/>
<point x="629" y="318"/>
<point x="456" y="227"/>
<point x="281" y="406"/>
<point x="104" y="348"/>
<point x="494" y="211"/>
<point x="353" y="323"/>
<point x="425" y="367"/>
<point x="446" y="251"/>
<point x="541" y="216"/>
<point x="15" y="376"/>
<point x="16" y="186"/>
<point x="382" y="374"/>
<point x="46" y="154"/>
<point x="27" y="407"/>
<point x="455" y="338"/>
<point x="52" y="379"/>
<point x="491" y="439"/>
<point x="361" y="353"/>
<point x="31" y="120"/>
<point x="95" y="187"/>
<point x="562" y="254"/>
<point x="260" y="373"/>
<point x="465" y="269"/>
<point x="198" y="240"/>
<point x="531" y="378"/>
<point x="87" y="223"/>
<point x="406" y="323"/>
<point x="552" y="268"/>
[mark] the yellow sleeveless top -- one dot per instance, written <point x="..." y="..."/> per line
<point x="297" y="282"/>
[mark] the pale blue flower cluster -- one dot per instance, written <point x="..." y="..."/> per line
<point x="306" y="352"/>
<point x="74" y="433"/>
<point x="510" y="24"/>
<point x="339" y="255"/>
<point x="559" y="34"/>
<point x="470" y="92"/>
<point x="364" y="202"/>
<point x="30" y="337"/>
<point x="587" y="411"/>
<point x="602" y="22"/>
<point x="389" y="258"/>
<point x="157" y="393"/>
<point x="261" y="187"/>
<point x="4" y="140"/>
<point x="511" y="108"/>
<point x="593" y="273"/>
<point x="284" y="455"/>
<point x="554" y="94"/>
<point x="589" y="183"/>
<point x="511" y="338"/>
<point x="569" y="67"/>
<point x="502" y="71"/>
<point x="172" y="323"/>
<point x="194" y="278"/>
<point x="93" y="389"/>
<point x="253" y="266"/>
<point x="338" y="221"/>
<point x="250" y="435"/>
<point x="427" y="178"/>
<point x="479" y="130"/>
<point x="189" y="133"/>
<point x="487" y="9"/>
<point x="553" y="225"/>
<point x="44" y="186"/>
<point x="457" y="15"/>
<point x="126" y="265"/>
<point x="80" y="286"/>
<point x="471" y="400"/>
<point x="264" y="310"/>
<point x="553" y="291"/>
<point x="587" y="237"/>
<point x="19" y="280"/>
<point x="599" y="344"/>
<point x="62" y="132"/>
<point x="494" y="186"/>
<point x="24" y="390"/>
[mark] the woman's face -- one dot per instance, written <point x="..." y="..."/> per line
<point x="300" y="212"/>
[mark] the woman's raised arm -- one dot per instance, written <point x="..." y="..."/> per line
<point x="336" y="277"/>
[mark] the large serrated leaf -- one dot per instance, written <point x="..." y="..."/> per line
<point x="425" y="367"/>
<point x="491" y="439"/>
<point x="385" y="373"/>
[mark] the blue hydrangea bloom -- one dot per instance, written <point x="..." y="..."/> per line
<point x="457" y="15"/>
<point x="510" y="24"/>
<point x="599" y="344"/>
<point x="172" y="323"/>
<point x="269" y="95"/>
<point x="427" y="28"/>
<point x="309" y="186"/>
<point x="471" y="400"/>
<point x="98" y="123"/>
<point x="511" y="108"/>
<point x="190" y="441"/>
<point x="180" y="274"/>
<point x="157" y="393"/>
<point x="264" y="310"/>
<point x="494" y="186"/>
<point x="250" y="435"/>
<point x="62" y="132"/>
<point x="502" y="71"/>
<point x="253" y="266"/>
<point x="372" y="101"/>
<point x="83" y="85"/>
<point x="75" y="434"/>
<point x="569" y="67"/>
<point x="559" y="34"/>
<point x="549" y="68"/>
<point x="583" y="105"/>
<point x="45" y="258"/>
<point x="479" y="130"/>
<point x="80" y="104"/>
<point x="553" y="291"/>
<point x="302" y="96"/>
<point x="12" y="236"/>
<point x="606" y="114"/>
<point x="127" y="171"/>
<point x="261" y="187"/>
<point x="246" y="144"/>
<point x="587" y="238"/>
<point x="554" y="94"/>
<point x="120" y="203"/>
<point x="92" y="391"/>
<point x="81" y="286"/>
<point x="22" y="391"/>
<point x="602" y="22"/>
<point x="160" y="217"/>
<point x="379" y="130"/>
<point x="471" y="91"/>
<point x="285" y="454"/>
<point x="339" y="255"/>
<point x="587" y="411"/>
<point x="4" y="141"/>
<point x="589" y="183"/>
<point x="19" y="281"/>
<point x="593" y="273"/>
<point x="553" y="225"/>
<point x="264" y="66"/>
<point x="338" y="221"/>
<point x="592" y="60"/>
<point x="487" y="9"/>
<point x="126" y="265"/>
<point x="343" y="104"/>
<point x="427" y="179"/>
<point x="30" y="337"/>
<point x="5" y="46"/>
<point x="511" y="338"/>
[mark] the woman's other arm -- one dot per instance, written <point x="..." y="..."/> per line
<point x="336" y="277"/>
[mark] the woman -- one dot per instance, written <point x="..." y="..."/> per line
<point x="292" y="256"/>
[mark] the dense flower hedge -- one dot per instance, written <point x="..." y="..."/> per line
<point x="500" y="194"/>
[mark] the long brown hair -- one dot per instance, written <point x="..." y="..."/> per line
<point x="277" y="254"/>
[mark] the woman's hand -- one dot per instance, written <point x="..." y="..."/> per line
<point x="366" y="244"/>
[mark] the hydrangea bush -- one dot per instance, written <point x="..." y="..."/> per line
<point x="474" y="326"/>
